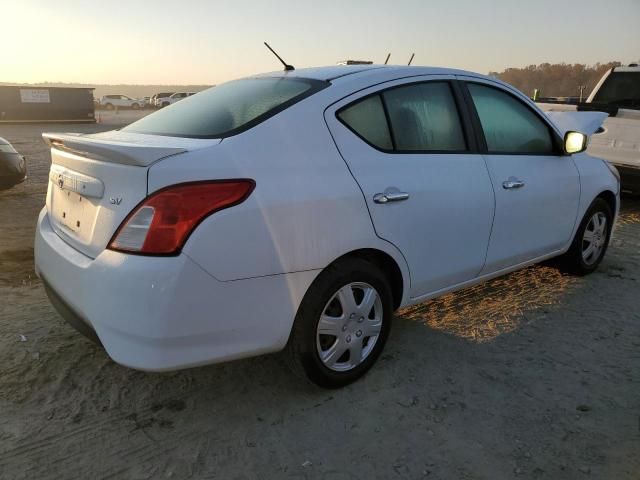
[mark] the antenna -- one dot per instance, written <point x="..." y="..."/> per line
<point x="411" y="59"/>
<point x="287" y="67"/>
<point x="387" y="60"/>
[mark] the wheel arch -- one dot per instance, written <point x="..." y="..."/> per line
<point x="609" y="197"/>
<point x="389" y="267"/>
<point x="606" y="195"/>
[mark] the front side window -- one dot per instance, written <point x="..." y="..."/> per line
<point x="424" y="117"/>
<point x="509" y="126"/>
<point x="367" y="119"/>
<point x="228" y="108"/>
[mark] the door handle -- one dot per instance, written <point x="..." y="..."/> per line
<point x="390" y="196"/>
<point x="512" y="183"/>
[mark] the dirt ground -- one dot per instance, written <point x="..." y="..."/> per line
<point x="535" y="375"/>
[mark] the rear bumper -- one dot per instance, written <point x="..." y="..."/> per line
<point x="72" y="317"/>
<point x="167" y="313"/>
<point x="13" y="170"/>
<point x="9" y="181"/>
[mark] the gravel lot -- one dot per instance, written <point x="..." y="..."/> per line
<point x="534" y="375"/>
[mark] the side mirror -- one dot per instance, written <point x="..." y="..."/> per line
<point x="574" y="142"/>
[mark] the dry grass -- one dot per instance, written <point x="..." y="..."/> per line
<point x="485" y="311"/>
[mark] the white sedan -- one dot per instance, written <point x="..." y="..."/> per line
<point x="299" y="209"/>
<point x="111" y="102"/>
<point x="176" y="97"/>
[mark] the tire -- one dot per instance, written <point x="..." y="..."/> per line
<point x="576" y="261"/>
<point x="135" y="106"/>
<point x="109" y="106"/>
<point x="165" y="104"/>
<point x="353" y="332"/>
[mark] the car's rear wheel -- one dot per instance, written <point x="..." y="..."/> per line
<point x="109" y="106"/>
<point x="591" y="241"/>
<point x="135" y="106"/>
<point x="342" y="324"/>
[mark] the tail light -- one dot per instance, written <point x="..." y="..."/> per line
<point x="161" y="224"/>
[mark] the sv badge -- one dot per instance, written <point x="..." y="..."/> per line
<point x="115" y="200"/>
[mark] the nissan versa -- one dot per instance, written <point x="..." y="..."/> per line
<point x="299" y="209"/>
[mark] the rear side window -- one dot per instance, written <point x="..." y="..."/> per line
<point x="509" y="126"/>
<point x="424" y="117"/>
<point x="227" y="109"/>
<point x="367" y="119"/>
<point x="420" y="117"/>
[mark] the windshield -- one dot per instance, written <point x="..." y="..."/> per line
<point x="621" y="89"/>
<point x="227" y="109"/>
<point x="4" y="148"/>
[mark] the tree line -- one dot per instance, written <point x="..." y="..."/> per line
<point x="555" y="80"/>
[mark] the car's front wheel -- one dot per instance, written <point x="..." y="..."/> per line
<point x="342" y="324"/>
<point x="591" y="241"/>
<point x="109" y="106"/>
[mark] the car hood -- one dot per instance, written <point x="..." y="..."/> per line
<point x="583" y="122"/>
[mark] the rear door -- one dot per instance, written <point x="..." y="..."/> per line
<point x="537" y="187"/>
<point x="409" y="146"/>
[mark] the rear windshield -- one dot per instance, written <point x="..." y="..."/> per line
<point x="227" y="109"/>
<point x="621" y="89"/>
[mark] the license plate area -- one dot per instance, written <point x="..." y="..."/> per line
<point x="73" y="214"/>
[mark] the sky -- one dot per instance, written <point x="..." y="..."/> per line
<point x="211" y="41"/>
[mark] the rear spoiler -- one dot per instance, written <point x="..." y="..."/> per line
<point x="139" y="154"/>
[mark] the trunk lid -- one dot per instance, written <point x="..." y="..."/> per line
<point x="96" y="180"/>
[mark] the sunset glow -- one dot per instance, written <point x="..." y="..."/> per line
<point x="206" y="42"/>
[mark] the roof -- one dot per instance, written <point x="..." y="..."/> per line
<point x="627" y="69"/>
<point x="321" y="73"/>
<point x="337" y="71"/>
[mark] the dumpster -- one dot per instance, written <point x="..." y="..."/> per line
<point x="22" y="104"/>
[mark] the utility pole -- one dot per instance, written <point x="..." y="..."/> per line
<point x="581" y="88"/>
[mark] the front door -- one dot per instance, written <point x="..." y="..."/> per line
<point x="537" y="187"/>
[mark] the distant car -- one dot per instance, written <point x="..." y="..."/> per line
<point x="146" y="101"/>
<point x="13" y="167"/>
<point x="161" y="99"/>
<point x="121" y="101"/>
<point x="618" y="141"/>
<point x="176" y="97"/>
<point x="299" y="209"/>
